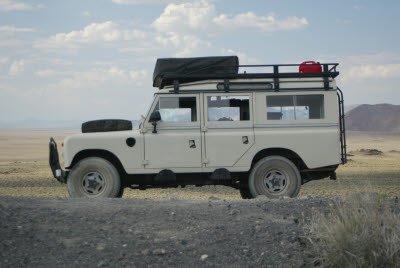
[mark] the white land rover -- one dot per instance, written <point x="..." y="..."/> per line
<point x="264" y="133"/>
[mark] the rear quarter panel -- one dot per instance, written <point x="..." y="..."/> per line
<point x="316" y="141"/>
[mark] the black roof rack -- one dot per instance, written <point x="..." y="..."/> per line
<point x="329" y="71"/>
<point x="174" y="72"/>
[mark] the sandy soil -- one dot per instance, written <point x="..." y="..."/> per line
<point x="24" y="170"/>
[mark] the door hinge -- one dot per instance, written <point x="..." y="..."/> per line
<point x="205" y="161"/>
<point x="145" y="162"/>
<point x="204" y="129"/>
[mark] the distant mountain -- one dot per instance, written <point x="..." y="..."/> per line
<point x="47" y="124"/>
<point x="348" y="108"/>
<point x="378" y="117"/>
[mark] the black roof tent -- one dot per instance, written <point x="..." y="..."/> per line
<point x="175" y="71"/>
<point x="194" y="69"/>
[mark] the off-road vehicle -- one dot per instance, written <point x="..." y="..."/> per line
<point x="215" y="122"/>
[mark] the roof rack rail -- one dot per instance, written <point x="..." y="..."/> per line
<point x="328" y="71"/>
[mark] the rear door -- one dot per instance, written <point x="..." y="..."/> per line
<point x="228" y="128"/>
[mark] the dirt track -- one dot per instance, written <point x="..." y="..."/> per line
<point x="49" y="232"/>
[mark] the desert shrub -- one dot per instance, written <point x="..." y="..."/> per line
<point x="358" y="231"/>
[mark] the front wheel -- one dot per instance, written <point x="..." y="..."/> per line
<point x="274" y="176"/>
<point x="94" y="177"/>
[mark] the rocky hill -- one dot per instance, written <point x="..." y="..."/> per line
<point x="378" y="117"/>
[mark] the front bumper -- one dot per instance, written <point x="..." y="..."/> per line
<point x="54" y="162"/>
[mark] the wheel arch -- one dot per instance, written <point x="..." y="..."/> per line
<point x="284" y="152"/>
<point x="112" y="158"/>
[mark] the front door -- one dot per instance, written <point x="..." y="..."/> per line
<point x="177" y="143"/>
<point x="228" y="128"/>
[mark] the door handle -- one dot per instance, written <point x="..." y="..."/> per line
<point x="192" y="144"/>
<point x="245" y="140"/>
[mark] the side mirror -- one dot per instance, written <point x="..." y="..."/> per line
<point x="154" y="118"/>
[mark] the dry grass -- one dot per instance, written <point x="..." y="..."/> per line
<point x="24" y="170"/>
<point x="362" y="230"/>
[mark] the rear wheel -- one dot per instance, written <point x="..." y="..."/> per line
<point x="94" y="177"/>
<point x="274" y="176"/>
<point x="121" y="192"/>
<point x="245" y="193"/>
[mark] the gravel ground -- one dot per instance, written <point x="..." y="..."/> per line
<point x="54" y="232"/>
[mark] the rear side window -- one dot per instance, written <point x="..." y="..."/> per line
<point x="228" y="108"/>
<point x="295" y="107"/>
<point x="177" y="109"/>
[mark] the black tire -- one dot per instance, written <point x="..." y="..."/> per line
<point x="245" y="193"/>
<point x="94" y="177"/>
<point x="121" y="192"/>
<point x="274" y="177"/>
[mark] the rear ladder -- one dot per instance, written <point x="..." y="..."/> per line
<point x="343" y="150"/>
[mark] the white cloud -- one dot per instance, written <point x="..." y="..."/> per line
<point x="243" y="58"/>
<point x="183" y="26"/>
<point x="9" y="30"/>
<point x="378" y="58"/>
<point x="138" y="74"/>
<point x="185" y="44"/>
<point x="374" y="71"/>
<point x="380" y="65"/>
<point x="185" y="17"/>
<point x="45" y="73"/>
<point x="3" y="60"/>
<point x="137" y="2"/>
<point x="90" y="79"/>
<point x="202" y="15"/>
<point x="138" y="49"/>
<point x="368" y="78"/>
<point x="191" y="43"/>
<point x="9" y="5"/>
<point x="10" y="42"/>
<point x="266" y="24"/>
<point x="96" y="32"/>
<point x="95" y="78"/>
<point x="17" y="67"/>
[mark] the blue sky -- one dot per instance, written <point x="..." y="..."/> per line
<point x="82" y="60"/>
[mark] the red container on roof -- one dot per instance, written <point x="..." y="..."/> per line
<point x="310" y="67"/>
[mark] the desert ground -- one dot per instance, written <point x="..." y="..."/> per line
<point x="24" y="169"/>
<point x="194" y="226"/>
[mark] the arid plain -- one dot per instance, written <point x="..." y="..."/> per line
<point x="24" y="169"/>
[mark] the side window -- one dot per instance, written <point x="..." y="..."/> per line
<point x="228" y="108"/>
<point x="177" y="109"/>
<point x="295" y="107"/>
